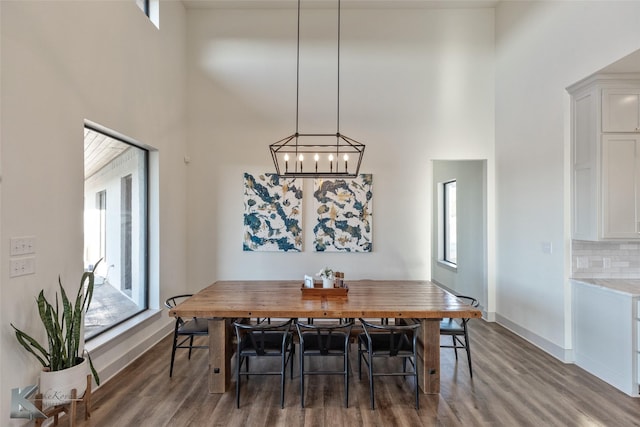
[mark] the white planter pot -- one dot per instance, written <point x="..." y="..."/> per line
<point x="327" y="282"/>
<point x="56" y="386"/>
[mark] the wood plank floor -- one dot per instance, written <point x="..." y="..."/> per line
<point x="514" y="384"/>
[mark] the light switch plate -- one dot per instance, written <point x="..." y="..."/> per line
<point x="22" y="245"/>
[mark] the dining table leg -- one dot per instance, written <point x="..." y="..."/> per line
<point x="429" y="356"/>
<point x="220" y="352"/>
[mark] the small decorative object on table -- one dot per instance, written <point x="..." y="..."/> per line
<point x="308" y="281"/>
<point x="339" y="281"/>
<point x="327" y="277"/>
<point x="332" y="285"/>
<point x="324" y="292"/>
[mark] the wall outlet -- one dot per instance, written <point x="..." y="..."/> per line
<point x="22" y="266"/>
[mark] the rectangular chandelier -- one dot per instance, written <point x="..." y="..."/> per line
<point x="317" y="155"/>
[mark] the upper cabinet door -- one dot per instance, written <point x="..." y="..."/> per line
<point x="620" y="110"/>
<point x="620" y="162"/>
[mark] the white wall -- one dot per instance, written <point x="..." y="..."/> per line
<point x="541" y="48"/>
<point x="63" y="62"/>
<point x="415" y="85"/>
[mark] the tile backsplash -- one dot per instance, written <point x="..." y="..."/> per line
<point x="605" y="260"/>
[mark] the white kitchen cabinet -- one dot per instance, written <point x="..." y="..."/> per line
<point x="605" y="335"/>
<point x="621" y="110"/>
<point x="605" y="164"/>
<point x="620" y="186"/>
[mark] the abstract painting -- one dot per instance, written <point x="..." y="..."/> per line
<point x="272" y="213"/>
<point x="344" y="214"/>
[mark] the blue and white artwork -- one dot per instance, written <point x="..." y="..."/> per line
<point x="344" y="214"/>
<point x="272" y="213"/>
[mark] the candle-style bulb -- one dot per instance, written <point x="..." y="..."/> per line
<point x="301" y="157"/>
<point x="286" y="157"/>
<point x="346" y="157"/>
<point x="286" y="163"/>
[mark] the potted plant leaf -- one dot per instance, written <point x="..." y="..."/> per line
<point x="64" y="367"/>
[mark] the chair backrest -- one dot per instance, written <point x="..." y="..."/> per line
<point x="469" y="300"/>
<point x="397" y="335"/>
<point x="175" y="300"/>
<point x="326" y="334"/>
<point x="260" y="335"/>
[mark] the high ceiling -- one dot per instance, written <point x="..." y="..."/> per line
<point x="628" y="64"/>
<point x="352" y="4"/>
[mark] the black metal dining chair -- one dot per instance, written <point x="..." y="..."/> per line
<point x="325" y="340"/>
<point x="388" y="341"/>
<point x="457" y="329"/>
<point x="185" y="329"/>
<point x="264" y="340"/>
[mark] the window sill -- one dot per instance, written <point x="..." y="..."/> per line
<point x="448" y="265"/>
<point x="122" y="330"/>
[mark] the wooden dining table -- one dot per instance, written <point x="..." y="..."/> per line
<point x="422" y="301"/>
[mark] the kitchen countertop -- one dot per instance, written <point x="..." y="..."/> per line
<point x="625" y="286"/>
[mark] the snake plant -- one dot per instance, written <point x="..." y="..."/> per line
<point x="63" y="326"/>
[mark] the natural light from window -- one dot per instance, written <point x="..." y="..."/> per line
<point x="450" y="234"/>
<point x="115" y="228"/>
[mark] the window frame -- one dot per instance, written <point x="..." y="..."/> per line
<point x="446" y="228"/>
<point x="151" y="8"/>
<point x="145" y="6"/>
<point x="144" y="255"/>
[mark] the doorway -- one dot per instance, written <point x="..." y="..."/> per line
<point x="467" y="275"/>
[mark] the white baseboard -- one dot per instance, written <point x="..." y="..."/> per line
<point x="562" y="354"/>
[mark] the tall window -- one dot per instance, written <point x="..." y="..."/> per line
<point x="115" y="228"/>
<point x="450" y="234"/>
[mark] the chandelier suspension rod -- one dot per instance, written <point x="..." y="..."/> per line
<point x="338" y="80"/>
<point x="298" y="72"/>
